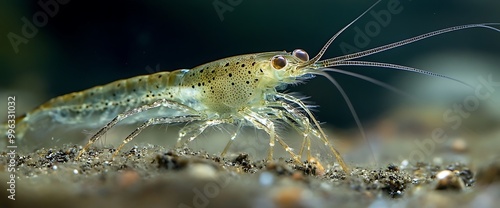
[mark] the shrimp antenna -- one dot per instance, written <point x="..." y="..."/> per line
<point x="347" y="60"/>
<point x="325" y="47"/>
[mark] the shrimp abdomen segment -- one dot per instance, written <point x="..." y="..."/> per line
<point x="123" y="92"/>
<point x="96" y="106"/>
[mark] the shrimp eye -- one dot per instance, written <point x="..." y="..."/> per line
<point x="278" y="62"/>
<point x="301" y="54"/>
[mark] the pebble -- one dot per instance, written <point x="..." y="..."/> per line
<point x="320" y="170"/>
<point x="202" y="171"/>
<point x="266" y="179"/>
<point x="459" y="145"/>
<point x="128" y="178"/>
<point x="404" y="164"/>
<point x="287" y="197"/>
<point x="447" y="179"/>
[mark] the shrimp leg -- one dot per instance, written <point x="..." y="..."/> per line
<point x="323" y="135"/>
<point x="223" y="153"/>
<point x="154" y="121"/>
<point x="267" y="125"/>
<point x="290" y="114"/>
<point x="193" y="130"/>
<point x="156" y="104"/>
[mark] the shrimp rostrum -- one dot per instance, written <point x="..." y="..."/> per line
<point x="239" y="90"/>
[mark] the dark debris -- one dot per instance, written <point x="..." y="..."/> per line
<point x="171" y="161"/>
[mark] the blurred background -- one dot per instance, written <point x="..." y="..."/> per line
<point x="89" y="43"/>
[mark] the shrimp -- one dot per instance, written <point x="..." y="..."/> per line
<point x="242" y="90"/>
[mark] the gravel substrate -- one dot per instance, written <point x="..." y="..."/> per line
<point x="153" y="176"/>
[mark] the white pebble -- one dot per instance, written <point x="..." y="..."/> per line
<point x="404" y="163"/>
<point x="448" y="180"/>
<point x="266" y="179"/>
<point x="202" y="171"/>
<point x="444" y="174"/>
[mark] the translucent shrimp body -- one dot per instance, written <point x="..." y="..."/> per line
<point x="239" y="90"/>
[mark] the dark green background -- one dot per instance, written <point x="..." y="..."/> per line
<point x="90" y="43"/>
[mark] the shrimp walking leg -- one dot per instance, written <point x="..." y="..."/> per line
<point x="230" y="142"/>
<point x="193" y="130"/>
<point x="296" y="120"/>
<point x="265" y="124"/>
<point x="268" y="126"/>
<point x="305" y="142"/>
<point x="323" y="135"/>
<point x="156" y="104"/>
<point x="155" y="121"/>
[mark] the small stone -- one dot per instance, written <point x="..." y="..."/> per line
<point x="266" y="179"/>
<point x="298" y="176"/>
<point x="459" y="145"/>
<point x="288" y="197"/>
<point x="128" y="178"/>
<point x="447" y="179"/>
<point x="202" y="171"/>
<point x="320" y="170"/>
<point x="392" y="167"/>
<point x="404" y="163"/>
<point x="171" y="161"/>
